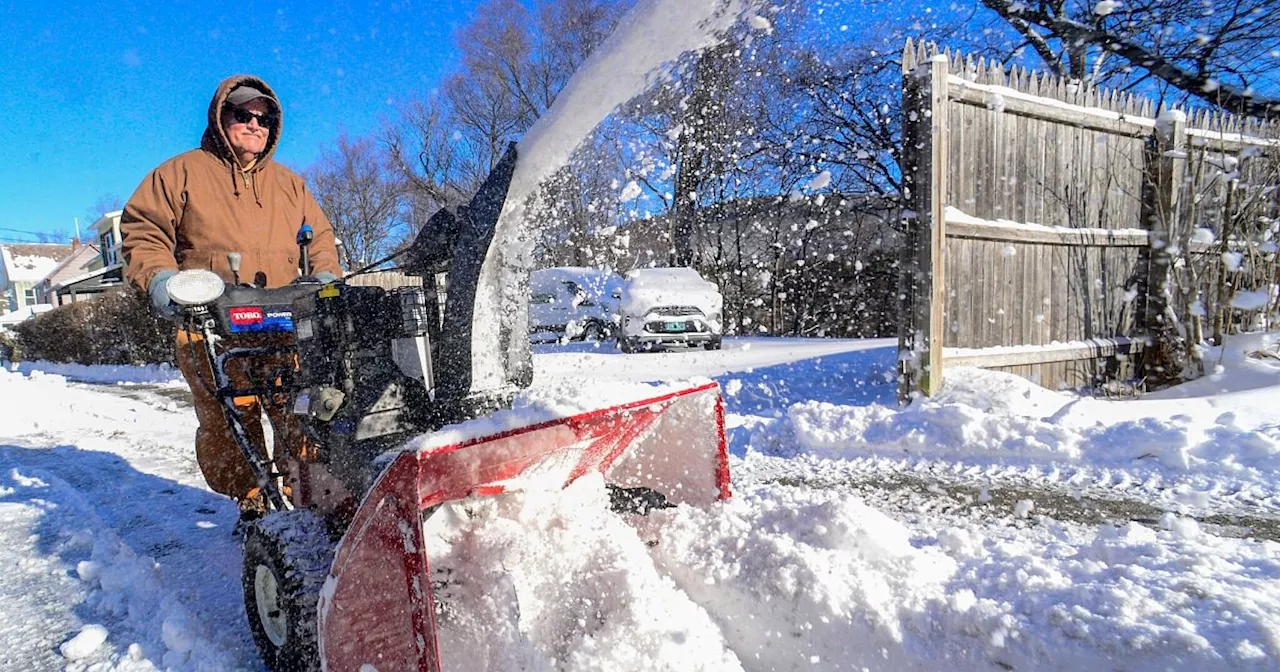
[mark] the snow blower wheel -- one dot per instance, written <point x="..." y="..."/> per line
<point x="286" y="561"/>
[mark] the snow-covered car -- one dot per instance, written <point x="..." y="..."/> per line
<point x="669" y="306"/>
<point x="573" y="303"/>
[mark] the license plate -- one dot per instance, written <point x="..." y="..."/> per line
<point x="674" y="327"/>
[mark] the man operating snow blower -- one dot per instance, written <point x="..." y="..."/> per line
<point x="387" y="404"/>
<point x="228" y="196"/>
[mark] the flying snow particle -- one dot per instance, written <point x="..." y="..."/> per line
<point x="1009" y="251"/>
<point x="1105" y="7"/>
<point x="1203" y="236"/>
<point x="1232" y="260"/>
<point x="821" y="181"/>
<point x="629" y="192"/>
<point x="759" y="22"/>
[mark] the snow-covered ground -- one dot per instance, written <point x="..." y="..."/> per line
<point x="997" y="526"/>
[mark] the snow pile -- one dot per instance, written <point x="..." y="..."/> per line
<point x="801" y="579"/>
<point x="989" y="417"/>
<point x="783" y="578"/>
<point x="102" y="373"/>
<point x="554" y="581"/>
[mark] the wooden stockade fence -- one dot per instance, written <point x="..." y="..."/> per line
<point x="1042" y="217"/>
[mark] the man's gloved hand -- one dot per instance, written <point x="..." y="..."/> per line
<point x="165" y="307"/>
<point x="325" y="277"/>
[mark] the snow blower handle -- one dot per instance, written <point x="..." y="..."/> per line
<point x="305" y="236"/>
<point x="233" y="260"/>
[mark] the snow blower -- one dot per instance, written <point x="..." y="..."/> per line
<point x="337" y="575"/>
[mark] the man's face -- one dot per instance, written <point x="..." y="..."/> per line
<point x="247" y="138"/>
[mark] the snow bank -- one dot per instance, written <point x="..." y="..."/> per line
<point x="990" y="417"/>
<point x="101" y="373"/>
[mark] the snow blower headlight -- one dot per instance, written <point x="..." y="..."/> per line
<point x="195" y="287"/>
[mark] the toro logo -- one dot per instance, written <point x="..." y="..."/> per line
<point x="245" y="315"/>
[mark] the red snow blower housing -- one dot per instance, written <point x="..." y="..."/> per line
<point x="337" y="575"/>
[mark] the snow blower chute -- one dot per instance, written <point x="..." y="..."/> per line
<point x="376" y="368"/>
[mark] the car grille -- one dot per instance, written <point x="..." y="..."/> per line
<point x="676" y="310"/>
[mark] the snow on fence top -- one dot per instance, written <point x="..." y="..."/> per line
<point x="1047" y="87"/>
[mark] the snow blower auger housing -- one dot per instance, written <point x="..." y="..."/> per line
<point x="336" y="576"/>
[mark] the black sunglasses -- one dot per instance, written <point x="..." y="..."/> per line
<point x="243" y="116"/>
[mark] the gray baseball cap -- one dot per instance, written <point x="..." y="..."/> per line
<point x="245" y="93"/>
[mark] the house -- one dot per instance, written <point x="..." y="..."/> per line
<point x="22" y="267"/>
<point x="83" y="260"/>
<point x="99" y="273"/>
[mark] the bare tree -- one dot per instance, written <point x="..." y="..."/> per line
<point x="361" y="199"/>
<point x="104" y="204"/>
<point x="515" y="60"/>
<point x="1214" y="51"/>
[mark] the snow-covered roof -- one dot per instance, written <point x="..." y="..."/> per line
<point x="31" y="263"/>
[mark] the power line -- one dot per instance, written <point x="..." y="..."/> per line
<point x="39" y="236"/>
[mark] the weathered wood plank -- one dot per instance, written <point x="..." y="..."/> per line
<point x="1041" y="354"/>
<point x="1014" y="102"/>
<point x="960" y="226"/>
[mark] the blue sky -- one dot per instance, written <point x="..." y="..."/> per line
<point x="95" y="94"/>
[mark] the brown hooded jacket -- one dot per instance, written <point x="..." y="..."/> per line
<point x="198" y="206"/>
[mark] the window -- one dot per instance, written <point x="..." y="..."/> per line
<point x="29" y="295"/>
<point x="106" y="243"/>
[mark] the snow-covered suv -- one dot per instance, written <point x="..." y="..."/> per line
<point x="669" y="306"/>
<point x="573" y="303"/>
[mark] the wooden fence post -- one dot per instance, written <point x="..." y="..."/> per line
<point x="1165" y="166"/>
<point x="923" y="276"/>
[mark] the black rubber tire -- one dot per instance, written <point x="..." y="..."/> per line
<point x="626" y="345"/>
<point x="713" y="345"/>
<point x="591" y="332"/>
<point x="287" y="556"/>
